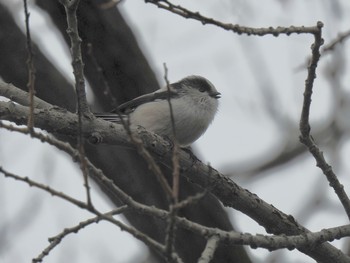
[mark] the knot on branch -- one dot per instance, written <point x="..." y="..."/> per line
<point x="95" y="138"/>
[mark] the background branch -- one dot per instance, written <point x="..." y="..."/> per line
<point x="31" y="69"/>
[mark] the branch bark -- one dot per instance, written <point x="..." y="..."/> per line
<point x="229" y="193"/>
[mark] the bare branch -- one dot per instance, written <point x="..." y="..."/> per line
<point x="152" y="165"/>
<point x="43" y="187"/>
<point x="191" y="200"/>
<point x="139" y="235"/>
<point x="171" y="229"/>
<point x="208" y="252"/>
<point x="106" y="89"/>
<point x="31" y="69"/>
<point x="77" y="61"/>
<point x="78" y="70"/>
<point x="270" y="242"/>
<point x="175" y="159"/>
<point x="304" y="126"/>
<point x="338" y="40"/>
<point x="304" y="120"/>
<point x="54" y="241"/>
<point x="179" y="10"/>
<point x="15" y="94"/>
<point x="170" y="232"/>
<point x="229" y="193"/>
<point x="305" y="240"/>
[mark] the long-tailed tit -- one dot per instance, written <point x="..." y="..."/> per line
<point x="194" y="102"/>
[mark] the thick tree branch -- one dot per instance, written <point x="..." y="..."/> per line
<point x="230" y="194"/>
<point x="13" y="93"/>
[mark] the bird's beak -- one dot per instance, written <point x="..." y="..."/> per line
<point x="216" y="95"/>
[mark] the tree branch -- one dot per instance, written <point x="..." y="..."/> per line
<point x="31" y="69"/>
<point x="305" y="129"/>
<point x="230" y="194"/>
<point x="305" y="240"/>
<point x="78" y="70"/>
<point x="54" y="241"/>
<point x="108" y="217"/>
<point x="181" y="11"/>
<point x="338" y="40"/>
<point x="208" y="252"/>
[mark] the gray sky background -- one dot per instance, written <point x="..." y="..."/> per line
<point x="261" y="84"/>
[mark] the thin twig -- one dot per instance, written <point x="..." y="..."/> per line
<point x="56" y="240"/>
<point x="175" y="159"/>
<point x="304" y="125"/>
<point x="139" y="235"/>
<point x="106" y="90"/>
<point x="71" y="7"/>
<point x="170" y="232"/>
<point x="44" y="187"/>
<point x="208" y="253"/>
<point x="234" y="238"/>
<point x="327" y="48"/>
<point x="191" y="200"/>
<point x="152" y="165"/>
<point x="338" y="40"/>
<point x="144" y="153"/>
<point x="31" y="70"/>
<point x="188" y="14"/>
<point x="78" y="70"/>
<point x="171" y="229"/>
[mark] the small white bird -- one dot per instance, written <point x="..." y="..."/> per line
<point x="194" y="101"/>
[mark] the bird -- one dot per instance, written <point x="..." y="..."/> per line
<point x="194" y="104"/>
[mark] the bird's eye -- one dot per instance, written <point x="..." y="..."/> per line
<point x="202" y="89"/>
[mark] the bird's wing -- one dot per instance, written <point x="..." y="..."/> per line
<point x="129" y="106"/>
<point x="112" y="117"/>
<point x="134" y="103"/>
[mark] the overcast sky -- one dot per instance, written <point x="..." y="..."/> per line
<point x="261" y="81"/>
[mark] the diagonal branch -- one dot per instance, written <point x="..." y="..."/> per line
<point x="338" y="40"/>
<point x="208" y="252"/>
<point x="56" y="240"/>
<point x="302" y="241"/>
<point x="108" y="217"/>
<point x="229" y="193"/>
